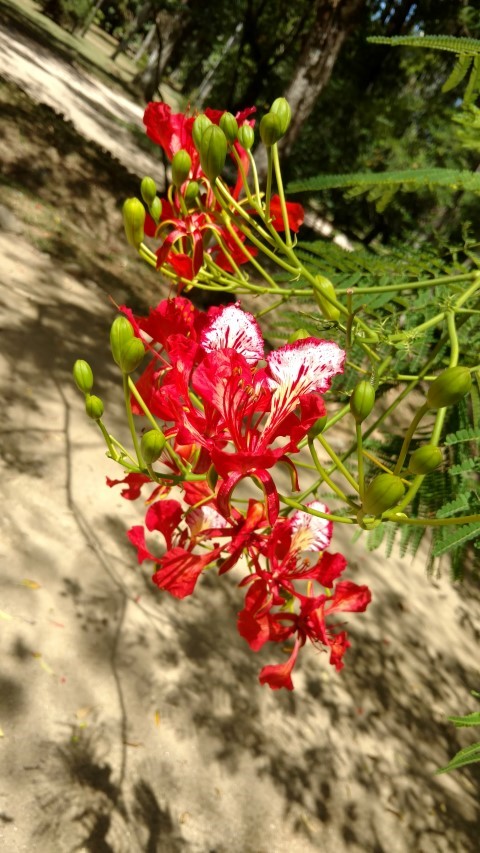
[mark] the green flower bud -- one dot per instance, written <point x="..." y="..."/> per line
<point x="229" y="125"/>
<point x="152" y="444"/>
<point x="94" y="407"/>
<point x="155" y="209"/>
<point x="83" y="376"/>
<point x="134" y="221"/>
<point x="199" y="126"/>
<point x="191" y="191"/>
<point x="131" y="355"/>
<point x="298" y="335"/>
<point x="362" y="400"/>
<point x="121" y="332"/>
<point x="317" y="427"/>
<point x="281" y="108"/>
<point x="425" y="459"/>
<point x="181" y="165"/>
<point x="324" y="287"/>
<point x="384" y="491"/>
<point x="246" y="136"/>
<point x="148" y="189"/>
<point x="213" y="151"/>
<point x="449" y="388"/>
<point x="270" y="129"/>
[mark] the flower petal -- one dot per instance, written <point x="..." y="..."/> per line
<point x="232" y="328"/>
<point x="179" y="570"/>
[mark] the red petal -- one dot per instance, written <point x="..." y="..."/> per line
<point x="179" y="571"/>
<point x="280" y="675"/>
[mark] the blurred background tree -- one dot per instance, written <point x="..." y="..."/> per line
<point x="356" y="106"/>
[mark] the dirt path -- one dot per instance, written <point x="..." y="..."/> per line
<point x="132" y="722"/>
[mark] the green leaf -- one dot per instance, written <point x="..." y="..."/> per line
<point x="459" y="71"/>
<point x="449" y="43"/>
<point x="458" y="537"/>
<point x="410" y="179"/>
<point x="472" y="719"/>
<point x="469" y="755"/>
<point x="461" y="503"/>
<point x="463" y="435"/>
<point x="473" y="84"/>
<point x="468" y="464"/>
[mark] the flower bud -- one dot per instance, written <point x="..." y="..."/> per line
<point x="134" y="221"/>
<point x="362" y="400"/>
<point x="94" y="407"/>
<point x="317" y="427"/>
<point x="191" y="191"/>
<point x="155" y="209"/>
<point x="199" y="126"/>
<point x="298" y="335"/>
<point x="83" y="376"/>
<point x="281" y="108"/>
<point x="324" y="287"/>
<point x="152" y="444"/>
<point x="449" y="388"/>
<point x="270" y="129"/>
<point x="384" y="491"/>
<point x="121" y="332"/>
<point x="148" y="190"/>
<point x="229" y="125"/>
<point x="425" y="459"/>
<point x="181" y="165"/>
<point x="246" y="136"/>
<point x="131" y="355"/>
<point x="213" y="151"/>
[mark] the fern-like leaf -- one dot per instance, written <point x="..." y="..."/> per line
<point x="448" y="43"/>
<point x="463" y="435"/>
<point x="409" y="179"/>
<point x="457" y="537"/>
<point x="460" y="70"/>
<point x="460" y="504"/>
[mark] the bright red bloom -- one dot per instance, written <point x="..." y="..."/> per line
<point x="295" y="214"/>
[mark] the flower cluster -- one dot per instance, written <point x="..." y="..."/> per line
<point x="222" y="411"/>
<point x="203" y="224"/>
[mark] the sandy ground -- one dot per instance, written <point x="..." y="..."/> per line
<point x="133" y="722"/>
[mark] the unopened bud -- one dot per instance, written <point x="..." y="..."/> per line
<point x="298" y="335"/>
<point x="148" y="190"/>
<point x="317" y="427"/>
<point x="131" y="355"/>
<point x="213" y="152"/>
<point x="134" y="221"/>
<point x="425" y="459"/>
<point x="191" y="191"/>
<point x="323" y="287"/>
<point x="362" y="400"/>
<point x="270" y="129"/>
<point x="246" y="136"/>
<point x="181" y="165"/>
<point x="83" y="376"/>
<point x="281" y="108"/>
<point x="94" y="407"/>
<point x="152" y="444"/>
<point x="384" y="491"/>
<point x="199" y="126"/>
<point x="121" y="332"/>
<point x="229" y="125"/>
<point x="155" y="209"/>
<point x="449" y="388"/>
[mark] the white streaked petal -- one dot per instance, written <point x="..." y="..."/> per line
<point x="309" y="532"/>
<point x="234" y="329"/>
<point x="303" y="367"/>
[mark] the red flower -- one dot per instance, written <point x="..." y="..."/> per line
<point x="295" y="214"/>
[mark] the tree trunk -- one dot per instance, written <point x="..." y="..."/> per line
<point x="143" y="14"/>
<point x="91" y="17"/>
<point x="334" y="21"/>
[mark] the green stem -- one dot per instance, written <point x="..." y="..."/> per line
<point x="297" y="505"/>
<point x="361" y="473"/>
<point x="146" y="411"/>
<point x="432" y="522"/>
<point x="416" y="285"/>
<point x="108" y="441"/>
<point x="338" y="462"/>
<point x="126" y="394"/>
<point x="327" y="478"/>
<point x="452" y="333"/>
<point x="268" y="191"/>
<point x="278" y="177"/>
<point x="408" y="437"/>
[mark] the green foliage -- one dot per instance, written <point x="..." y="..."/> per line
<point x="469" y="754"/>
